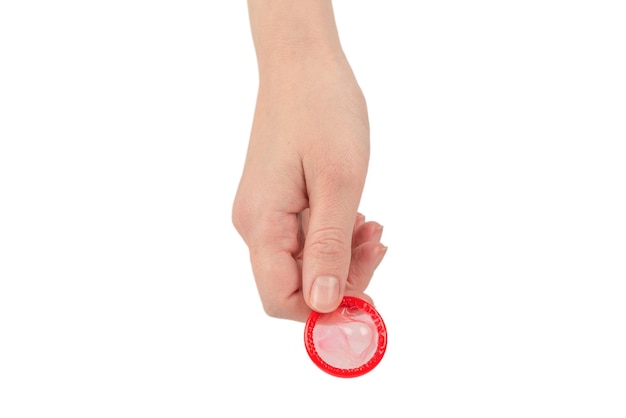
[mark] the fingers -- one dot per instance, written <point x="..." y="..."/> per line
<point x="366" y="232"/>
<point x="274" y="239"/>
<point x="283" y="246"/>
<point x="360" y="220"/>
<point x="326" y="262"/>
<point x="365" y="259"/>
<point x="362" y="232"/>
<point x="277" y="276"/>
<point x="278" y="272"/>
<point x="333" y="206"/>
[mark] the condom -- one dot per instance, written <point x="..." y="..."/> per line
<point x="347" y="342"/>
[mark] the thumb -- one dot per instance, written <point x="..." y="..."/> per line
<point x="327" y="250"/>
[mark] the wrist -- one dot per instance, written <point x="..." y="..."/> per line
<point x="293" y="35"/>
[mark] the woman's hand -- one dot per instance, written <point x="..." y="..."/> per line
<point x="296" y="205"/>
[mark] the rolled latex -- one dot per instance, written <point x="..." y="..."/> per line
<point x="347" y="342"/>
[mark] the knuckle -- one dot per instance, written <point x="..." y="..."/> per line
<point x="328" y="243"/>
<point x="241" y="214"/>
<point x="236" y="214"/>
<point x="273" y="309"/>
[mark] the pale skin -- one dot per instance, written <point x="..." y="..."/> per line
<point x="297" y="203"/>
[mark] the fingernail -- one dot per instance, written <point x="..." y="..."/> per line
<point x="379" y="232"/>
<point x="382" y="250"/>
<point x="325" y="294"/>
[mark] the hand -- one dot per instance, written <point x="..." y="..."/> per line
<point x="296" y="205"/>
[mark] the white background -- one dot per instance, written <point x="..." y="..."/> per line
<point x="498" y="170"/>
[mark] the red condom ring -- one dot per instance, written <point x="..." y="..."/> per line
<point x="347" y="342"/>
